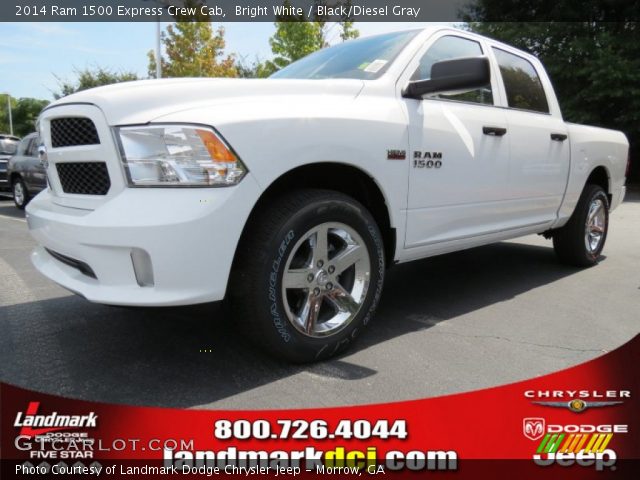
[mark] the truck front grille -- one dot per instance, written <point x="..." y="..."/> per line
<point x="73" y="131"/>
<point x="84" y="178"/>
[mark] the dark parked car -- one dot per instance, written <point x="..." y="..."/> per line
<point x="27" y="175"/>
<point x="8" y="148"/>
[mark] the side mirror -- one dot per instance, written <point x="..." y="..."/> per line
<point x="450" y="75"/>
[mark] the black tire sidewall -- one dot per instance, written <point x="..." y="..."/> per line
<point x="593" y="195"/>
<point x="278" y="330"/>
<point x="569" y="241"/>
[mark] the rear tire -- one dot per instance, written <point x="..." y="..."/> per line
<point x="308" y="275"/>
<point x="20" y="193"/>
<point x="581" y="240"/>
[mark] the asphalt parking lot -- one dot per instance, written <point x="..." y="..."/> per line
<point x="459" y="322"/>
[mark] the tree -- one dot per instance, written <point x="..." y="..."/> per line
<point x="348" y="31"/>
<point x="594" y="66"/>
<point x="345" y="24"/>
<point x="297" y="36"/>
<point x="193" y="49"/>
<point x="254" y="69"/>
<point x="88" y="78"/>
<point x="24" y="113"/>
<point x="4" y="113"/>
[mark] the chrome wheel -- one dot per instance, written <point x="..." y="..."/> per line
<point x="326" y="279"/>
<point x="595" y="225"/>
<point x="18" y="193"/>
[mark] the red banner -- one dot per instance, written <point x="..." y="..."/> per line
<point x="577" y="423"/>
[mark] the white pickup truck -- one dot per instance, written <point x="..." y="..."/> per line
<point x="288" y="197"/>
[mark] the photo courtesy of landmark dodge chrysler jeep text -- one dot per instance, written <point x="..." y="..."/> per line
<point x="288" y="197"/>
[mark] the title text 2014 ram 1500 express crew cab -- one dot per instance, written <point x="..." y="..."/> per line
<point x="289" y="196"/>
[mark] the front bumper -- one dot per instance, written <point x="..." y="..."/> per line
<point x="186" y="239"/>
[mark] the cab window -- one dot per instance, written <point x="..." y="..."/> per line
<point x="522" y="83"/>
<point x="448" y="48"/>
<point x="32" y="150"/>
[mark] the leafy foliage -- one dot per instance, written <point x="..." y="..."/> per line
<point x="193" y="49"/>
<point x="24" y="112"/>
<point x="253" y="69"/>
<point x="594" y="66"/>
<point x="348" y="31"/>
<point x="88" y="78"/>
<point x="296" y="37"/>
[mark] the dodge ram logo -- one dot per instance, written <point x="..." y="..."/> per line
<point x="533" y="428"/>
<point x="396" y="154"/>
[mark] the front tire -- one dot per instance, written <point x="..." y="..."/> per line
<point x="581" y="240"/>
<point x="20" y="193"/>
<point x="308" y="275"/>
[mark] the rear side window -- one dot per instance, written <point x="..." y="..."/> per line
<point x="448" y="48"/>
<point x="29" y="150"/>
<point x="33" y="147"/>
<point x="522" y="82"/>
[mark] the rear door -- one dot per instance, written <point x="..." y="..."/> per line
<point x="18" y="162"/>
<point x="29" y="163"/>
<point x="538" y="139"/>
<point x="38" y="172"/>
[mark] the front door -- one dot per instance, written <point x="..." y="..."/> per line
<point x="459" y="154"/>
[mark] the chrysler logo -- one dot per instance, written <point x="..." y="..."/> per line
<point x="577" y="405"/>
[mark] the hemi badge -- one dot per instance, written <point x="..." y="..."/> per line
<point x="396" y="154"/>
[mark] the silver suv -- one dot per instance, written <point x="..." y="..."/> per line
<point x="8" y="148"/>
<point x="27" y="175"/>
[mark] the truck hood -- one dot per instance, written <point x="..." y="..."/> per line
<point x="143" y="101"/>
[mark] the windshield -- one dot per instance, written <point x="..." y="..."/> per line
<point x="8" y="146"/>
<point x="364" y="59"/>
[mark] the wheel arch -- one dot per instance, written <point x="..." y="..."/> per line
<point x="14" y="176"/>
<point x="343" y="178"/>
<point x="600" y="176"/>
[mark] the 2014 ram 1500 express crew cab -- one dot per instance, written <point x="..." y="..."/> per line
<point x="289" y="196"/>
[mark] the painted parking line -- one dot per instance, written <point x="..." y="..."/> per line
<point x="13" y="218"/>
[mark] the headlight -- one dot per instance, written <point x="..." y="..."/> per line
<point x="178" y="155"/>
